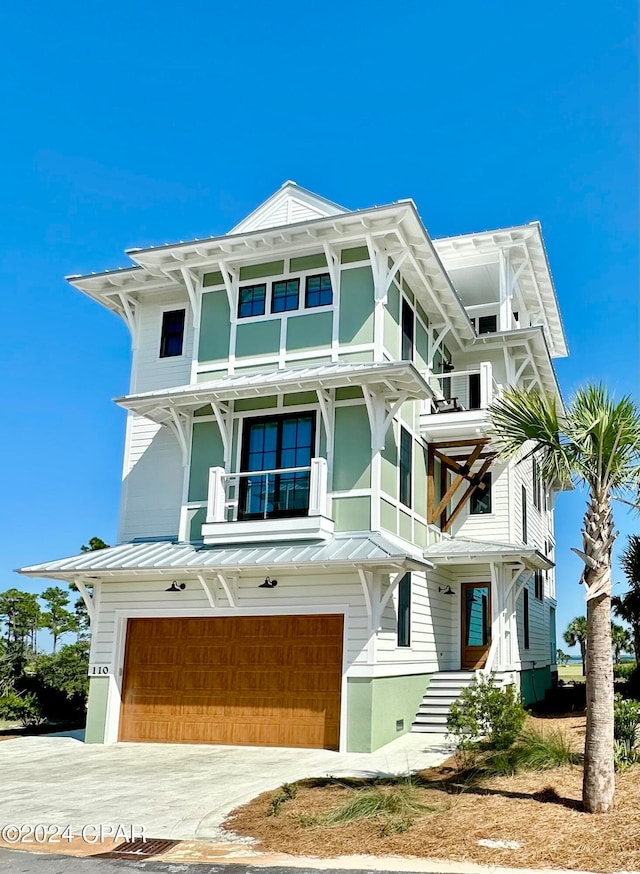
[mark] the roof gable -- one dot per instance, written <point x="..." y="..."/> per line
<point x="289" y="204"/>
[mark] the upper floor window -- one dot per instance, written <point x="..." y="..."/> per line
<point x="318" y="292"/>
<point x="285" y="295"/>
<point x="480" y="501"/>
<point x="406" y="463"/>
<point x="277" y="452"/>
<point x="487" y="324"/>
<point x="524" y="514"/>
<point x="252" y="301"/>
<point x="538" y="584"/>
<point x="537" y="485"/>
<point x="172" y="336"/>
<point x="407" y="331"/>
<point x="404" y="611"/>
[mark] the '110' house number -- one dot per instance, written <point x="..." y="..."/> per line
<point x="99" y="670"/>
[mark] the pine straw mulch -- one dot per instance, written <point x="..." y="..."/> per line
<point x="541" y="811"/>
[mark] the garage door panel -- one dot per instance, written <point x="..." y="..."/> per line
<point x="244" y="680"/>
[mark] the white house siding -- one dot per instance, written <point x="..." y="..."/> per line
<point x="494" y="526"/>
<point x="434" y="636"/>
<point x="539" y="630"/>
<point x="148" y="370"/>
<point x="152" y="481"/>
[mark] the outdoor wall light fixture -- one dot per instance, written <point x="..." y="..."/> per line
<point x="268" y="583"/>
<point x="176" y="587"/>
<point x="446" y="591"/>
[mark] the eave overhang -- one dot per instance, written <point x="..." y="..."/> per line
<point x="458" y="551"/>
<point x="389" y="379"/>
<point x="393" y="229"/>
<point x="535" y="280"/>
<point x="170" y="559"/>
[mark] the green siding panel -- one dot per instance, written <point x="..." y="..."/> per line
<point x="357" y="357"/>
<point x="376" y="705"/>
<point x="97" y="710"/>
<point x="258" y="338"/>
<point x="206" y="451"/>
<point x="207" y="410"/>
<point x="422" y="314"/>
<point x="195" y="520"/>
<point x="208" y="375"/>
<point x="257" y="271"/>
<point x="215" y="327"/>
<point x="389" y="463"/>
<point x="356" y="306"/>
<point x="405" y="527"/>
<point x="308" y="262"/>
<point x="348" y="394"/>
<point x="300" y="398"/>
<point x="388" y="517"/>
<point x="359" y="253"/>
<point x="419" y="533"/>
<point x="534" y="684"/>
<point x="310" y="331"/>
<point x="267" y="403"/>
<point x="214" y="278"/>
<point x="392" y="321"/>
<point x="422" y="347"/>
<point x="352" y="449"/>
<point x="352" y="514"/>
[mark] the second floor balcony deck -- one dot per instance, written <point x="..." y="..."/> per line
<point x="460" y="401"/>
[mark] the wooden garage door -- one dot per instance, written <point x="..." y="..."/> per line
<point x="272" y="681"/>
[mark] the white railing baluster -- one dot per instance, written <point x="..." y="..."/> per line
<point x="216" y="497"/>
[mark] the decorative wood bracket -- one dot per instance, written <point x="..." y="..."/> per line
<point x="374" y="601"/>
<point x="180" y="424"/>
<point x="461" y="467"/>
<point x="381" y="410"/>
<point x="87" y="597"/>
<point x="222" y="412"/>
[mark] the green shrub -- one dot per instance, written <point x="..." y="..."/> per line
<point x="626" y="719"/>
<point x="624" y="670"/>
<point x="287" y="792"/>
<point x="23" y="708"/>
<point x="534" y="750"/>
<point x="486" y="710"/>
<point x="624" y="756"/>
<point x="60" y="682"/>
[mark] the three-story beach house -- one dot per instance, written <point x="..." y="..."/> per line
<point x="318" y="546"/>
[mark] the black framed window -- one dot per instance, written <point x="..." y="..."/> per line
<point x="480" y="501"/>
<point x="318" y="291"/>
<point x="524" y="515"/>
<point x="172" y="334"/>
<point x="525" y="617"/>
<point x="285" y="295"/>
<point x="407" y="331"/>
<point x="537" y="485"/>
<point x="538" y="585"/>
<point x="487" y="324"/>
<point x="270" y="444"/>
<point x="474" y="391"/>
<point x="252" y="301"/>
<point x="406" y="460"/>
<point x="404" y="611"/>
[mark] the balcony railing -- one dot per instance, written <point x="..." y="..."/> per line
<point x="462" y="390"/>
<point x="267" y="494"/>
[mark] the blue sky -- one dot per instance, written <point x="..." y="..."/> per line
<point x="140" y="123"/>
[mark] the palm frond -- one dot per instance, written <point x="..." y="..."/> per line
<point x="529" y="420"/>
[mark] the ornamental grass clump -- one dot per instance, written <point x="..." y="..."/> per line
<point x="534" y="750"/>
<point x="486" y="714"/>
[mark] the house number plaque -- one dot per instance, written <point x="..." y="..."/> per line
<point x="99" y="670"/>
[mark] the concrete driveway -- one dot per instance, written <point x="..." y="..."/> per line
<point x="179" y="791"/>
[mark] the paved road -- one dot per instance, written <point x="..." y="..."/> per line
<point x="30" y="863"/>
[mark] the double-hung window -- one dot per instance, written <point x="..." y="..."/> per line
<point x="172" y="335"/>
<point x="407" y="331"/>
<point x="480" y="501"/>
<point x="318" y="292"/>
<point x="406" y="463"/>
<point x="285" y="295"/>
<point x="404" y="611"/>
<point x="252" y="301"/>
<point x="276" y="454"/>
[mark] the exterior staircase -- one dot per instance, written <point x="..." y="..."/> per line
<point x="444" y="688"/>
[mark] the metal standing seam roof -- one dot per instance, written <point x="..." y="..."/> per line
<point x="461" y="548"/>
<point x="370" y="549"/>
<point x="399" y="376"/>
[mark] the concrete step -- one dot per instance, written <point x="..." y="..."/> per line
<point x="454" y="675"/>
<point x="430" y="728"/>
<point x="431" y="719"/>
<point x="442" y="692"/>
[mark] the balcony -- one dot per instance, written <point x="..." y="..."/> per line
<point x="461" y="398"/>
<point x="289" y="503"/>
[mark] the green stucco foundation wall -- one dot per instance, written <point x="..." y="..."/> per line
<point x="534" y="684"/>
<point x="376" y="705"/>
<point x="97" y="710"/>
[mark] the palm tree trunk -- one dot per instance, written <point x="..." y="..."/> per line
<point x="599" y="778"/>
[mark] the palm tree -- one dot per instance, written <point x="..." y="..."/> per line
<point x="620" y="641"/>
<point x="596" y="444"/>
<point x="627" y="606"/>
<point x="576" y="633"/>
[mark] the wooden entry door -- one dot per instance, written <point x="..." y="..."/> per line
<point x="475" y="624"/>
<point x="259" y="680"/>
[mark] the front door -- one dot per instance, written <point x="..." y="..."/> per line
<point x="476" y="624"/>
